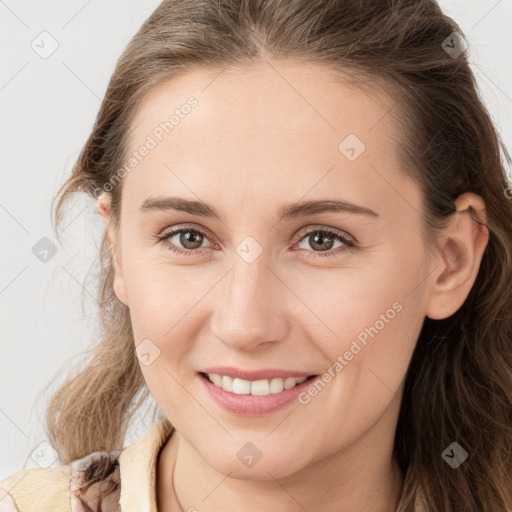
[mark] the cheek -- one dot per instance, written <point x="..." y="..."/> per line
<point x="354" y="297"/>
<point x="161" y="295"/>
<point x="370" y="317"/>
<point x="367" y="330"/>
<point x="164" y="323"/>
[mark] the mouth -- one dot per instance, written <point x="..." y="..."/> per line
<point x="260" y="387"/>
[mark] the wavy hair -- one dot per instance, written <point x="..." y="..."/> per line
<point x="459" y="382"/>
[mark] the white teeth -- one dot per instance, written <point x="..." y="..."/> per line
<point x="289" y="383"/>
<point x="255" y="387"/>
<point x="259" y="387"/>
<point x="216" y="378"/>
<point x="241" y="387"/>
<point x="276" y="385"/>
<point x="226" y="383"/>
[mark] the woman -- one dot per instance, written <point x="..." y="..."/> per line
<point x="235" y="140"/>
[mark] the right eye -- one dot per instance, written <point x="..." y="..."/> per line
<point x="186" y="236"/>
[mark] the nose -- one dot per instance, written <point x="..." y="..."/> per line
<point x="250" y="307"/>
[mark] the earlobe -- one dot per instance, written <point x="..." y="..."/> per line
<point x="461" y="253"/>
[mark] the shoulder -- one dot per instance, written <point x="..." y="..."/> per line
<point x="64" y="487"/>
<point x="26" y="488"/>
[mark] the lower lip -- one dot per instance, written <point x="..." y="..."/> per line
<point x="253" y="405"/>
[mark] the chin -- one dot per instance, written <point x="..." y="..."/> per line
<point x="242" y="467"/>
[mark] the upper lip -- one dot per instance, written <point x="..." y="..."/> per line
<point x="269" y="373"/>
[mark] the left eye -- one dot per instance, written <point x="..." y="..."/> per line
<point x="326" y="238"/>
<point x="188" y="241"/>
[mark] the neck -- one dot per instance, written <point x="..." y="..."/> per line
<point x="359" y="478"/>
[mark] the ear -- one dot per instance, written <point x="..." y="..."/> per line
<point x="462" y="248"/>
<point x="104" y="206"/>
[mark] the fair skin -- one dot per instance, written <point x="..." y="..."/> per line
<point x="254" y="143"/>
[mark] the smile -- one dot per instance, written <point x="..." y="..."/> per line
<point x="255" y="387"/>
<point x="250" y="398"/>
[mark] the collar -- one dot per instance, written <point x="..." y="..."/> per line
<point x="137" y="465"/>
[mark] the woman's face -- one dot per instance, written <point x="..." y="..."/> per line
<point x="263" y="291"/>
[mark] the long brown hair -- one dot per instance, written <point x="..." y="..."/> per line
<point x="459" y="383"/>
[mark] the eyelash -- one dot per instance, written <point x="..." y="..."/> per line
<point x="349" y="243"/>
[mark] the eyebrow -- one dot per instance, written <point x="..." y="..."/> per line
<point x="289" y="211"/>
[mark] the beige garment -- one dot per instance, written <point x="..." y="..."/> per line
<point x="54" y="489"/>
<point x="132" y="480"/>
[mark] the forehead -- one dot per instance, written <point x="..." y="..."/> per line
<point x="266" y="130"/>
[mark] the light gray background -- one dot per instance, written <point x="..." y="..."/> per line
<point x="47" y="109"/>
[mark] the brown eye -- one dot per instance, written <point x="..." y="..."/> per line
<point x="323" y="241"/>
<point x="184" y="240"/>
<point x="190" y="239"/>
